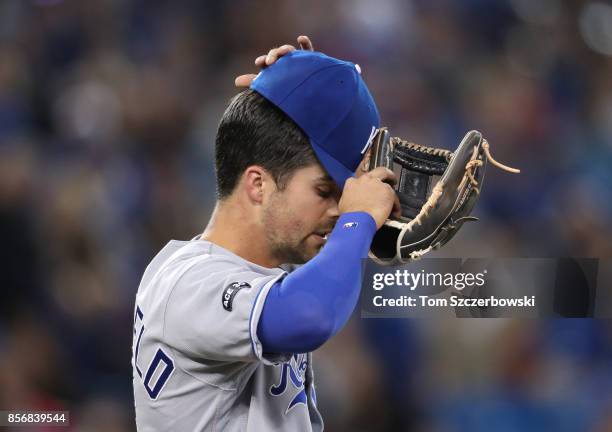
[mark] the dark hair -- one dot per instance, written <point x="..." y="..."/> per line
<point x="253" y="131"/>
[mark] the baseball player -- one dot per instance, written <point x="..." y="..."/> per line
<point x="223" y="329"/>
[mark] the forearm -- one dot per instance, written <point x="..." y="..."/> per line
<point x="314" y="302"/>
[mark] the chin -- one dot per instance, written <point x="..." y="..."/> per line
<point x="301" y="254"/>
<point x="312" y="252"/>
<point x="304" y="255"/>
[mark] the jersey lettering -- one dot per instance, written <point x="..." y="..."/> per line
<point x="294" y="371"/>
<point x="154" y="372"/>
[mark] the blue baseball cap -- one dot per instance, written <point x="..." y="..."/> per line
<point x="329" y="101"/>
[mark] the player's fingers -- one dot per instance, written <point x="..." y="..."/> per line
<point x="364" y="165"/>
<point x="384" y="174"/>
<point x="275" y="53"/>
<point x="285" y="49"/>
<point x="271" y="55"/>
<point x="244" y="80"/>
<point x="261" y="61"/>
<point x="305" y="43"/>
<point x="396" y="212"/>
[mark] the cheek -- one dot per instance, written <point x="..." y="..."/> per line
<point x="309" y="207"/>
<point x="283" y="218"/>
<point x="295" y="213"/>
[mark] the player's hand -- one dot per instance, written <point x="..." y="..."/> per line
<point x="371" y="193"/>
<point x="266" y="60"/>
<point x="364" y="164"/>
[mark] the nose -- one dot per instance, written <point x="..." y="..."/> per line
<point x="333" y="211"/>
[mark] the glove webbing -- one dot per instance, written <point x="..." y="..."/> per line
<point x="419" y="164"/>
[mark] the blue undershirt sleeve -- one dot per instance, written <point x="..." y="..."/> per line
<point x="314" y="302"/>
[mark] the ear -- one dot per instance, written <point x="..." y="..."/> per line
<point x="257" y="181"/>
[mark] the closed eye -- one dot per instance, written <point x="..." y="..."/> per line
<point x="326" y="188"/>
<point x="324" y="193"/>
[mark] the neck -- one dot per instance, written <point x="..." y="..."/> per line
<point x="230" y="229"/>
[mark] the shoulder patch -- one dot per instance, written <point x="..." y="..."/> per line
<point x="230" y="292"/>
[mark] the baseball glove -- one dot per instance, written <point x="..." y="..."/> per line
<point x="437" y="190"/>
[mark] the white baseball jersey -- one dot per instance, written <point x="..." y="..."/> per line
<point x="197" y="362"/>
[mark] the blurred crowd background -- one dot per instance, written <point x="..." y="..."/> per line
<point x="108" y="113"/>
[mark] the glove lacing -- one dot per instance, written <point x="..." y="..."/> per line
<point x="447" y="154"/>
<point x="475" y="163"/>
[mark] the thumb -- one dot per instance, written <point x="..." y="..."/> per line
<point x="244" y="80"/>
<point x="396" y="211"/>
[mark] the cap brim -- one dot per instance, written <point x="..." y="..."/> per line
<point x="335" y="169"/>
